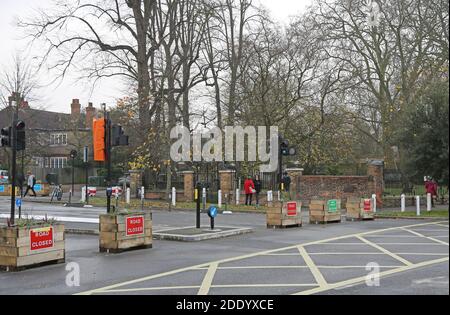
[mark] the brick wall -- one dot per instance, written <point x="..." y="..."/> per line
<point x="330" y="187"/>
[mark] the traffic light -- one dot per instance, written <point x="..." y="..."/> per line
<point x="285" y="149"/>
<point x="5" y="137"/>
<point x="118" y="136"/>
<point x="99" y="140"/>
<point x="21" y="140"/>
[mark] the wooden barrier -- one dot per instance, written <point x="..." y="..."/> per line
<point x="359" y="209"/>
<point x="27" y="247"/>
<point x="123" y="232"/>
<point x="322" y="211"/>
<point x="287" y="214"/>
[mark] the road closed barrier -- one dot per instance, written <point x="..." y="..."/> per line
<point x="359" y="209"/>
<point x="325" y="211"/>
<point x="286" y="214"/>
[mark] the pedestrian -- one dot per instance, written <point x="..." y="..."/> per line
<point x="431" y="188"/>
<point x="258" y="188"/>
<point x="249" y="189"/>
<point x="31" y="181"/>
<point x="287" y="183"/>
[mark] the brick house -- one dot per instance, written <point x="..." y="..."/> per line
<point x="51" y="136"/>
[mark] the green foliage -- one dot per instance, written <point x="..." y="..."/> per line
<point x="31" y="222"/>
<point x="425" y="136"/>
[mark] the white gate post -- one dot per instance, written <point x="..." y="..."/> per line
<point x="128" y="196"/>
<point x="219" y="198"/>
<point x="374" y="200"/>
<point x="429" y="205"/>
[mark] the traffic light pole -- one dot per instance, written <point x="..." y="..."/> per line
<point x="108" y="162"/>
<point x="13" y="167"/>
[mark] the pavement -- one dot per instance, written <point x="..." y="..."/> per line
<point x="412" y="258"/>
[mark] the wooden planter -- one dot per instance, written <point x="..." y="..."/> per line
<point x="5" y="190"/>
<point x="320" y="212"/>
<point x="360" y="209"/>
<point x="288" y="214"/>
<point x="123" y="232"/>
<point x="26" y="247"/>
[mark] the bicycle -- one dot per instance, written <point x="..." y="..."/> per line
<point x="57" y="192"/>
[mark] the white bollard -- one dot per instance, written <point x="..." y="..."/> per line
<point x="128" y="196"/>
<point x="219" y="198"/>
<point x="142" y="193"/>
<point x="429" y="204"/>
<point x="238" y="196"/>
<point x="403" y="203"/>
<point x="270" y="196"/>
<point x="174" y="196"/>
<point x="279" y="195"/>
<point x="83" y="194"/>
<point x="418" y="206"/>
<point x="374" y="200"/>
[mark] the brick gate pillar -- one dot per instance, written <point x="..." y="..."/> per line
<point x="226" y="183"/>
<point x="136" y="180"/>
<point x="295" y="174"/>
<point x="189" y="186"/>
<point x="375" y="171"/>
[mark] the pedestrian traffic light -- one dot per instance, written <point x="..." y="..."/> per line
<point x="5" y="137"/>
<point x="118" y="136"/>
<point x="99" y="126"/>
<point x="21" y="139"/>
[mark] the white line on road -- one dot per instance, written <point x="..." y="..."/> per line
<point x="61" y="219"/>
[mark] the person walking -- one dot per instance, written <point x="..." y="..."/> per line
<point x="249" y="189"/>
<point x="31" y="181"/>
<point x="258" y="188"/>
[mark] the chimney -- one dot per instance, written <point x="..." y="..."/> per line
<point x="75" y="108"/>
<point x="24" y="105"/>
<point x="90" y="115"/>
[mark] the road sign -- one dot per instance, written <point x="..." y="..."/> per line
<point x="212" y="212"/>
<point x="135" y="225"/>
<point x="18" y="202"/>
<point x="367" y="205"/>
<point x="332" y="205"/>
<point x="292" y="209"/>
<point x="2" y="189"/>
<point x="41" y="238"/>
<point x="37" y="187"/>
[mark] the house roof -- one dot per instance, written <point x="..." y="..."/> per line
<point x="37" y="119"/>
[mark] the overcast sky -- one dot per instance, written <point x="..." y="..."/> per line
<point x="58" y="98"/>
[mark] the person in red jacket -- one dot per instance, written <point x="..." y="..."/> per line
<point x="431" y="188"/>
<point x="249" y="189"/>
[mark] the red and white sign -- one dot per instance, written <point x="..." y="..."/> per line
<point x="291" y="209"/>
<point x="92" y="191"/>
<point x="41" y="238"/>
<point x="117" y="191"/>
<point x="367" y="205"/>
<point x="135" y="225"/>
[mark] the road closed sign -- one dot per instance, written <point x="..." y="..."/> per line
<point x="291" y="209"/>
<point x="41" y="238"/>
<point x="135" y="225"/>
<point x="367" y="205"/>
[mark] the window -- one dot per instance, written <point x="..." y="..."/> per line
<point x="58" y="139"/>
<point x="56" y="162"/>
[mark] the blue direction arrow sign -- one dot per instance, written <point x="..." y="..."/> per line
<point x="212" y="212"/>
<point x="18" y="202"/>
